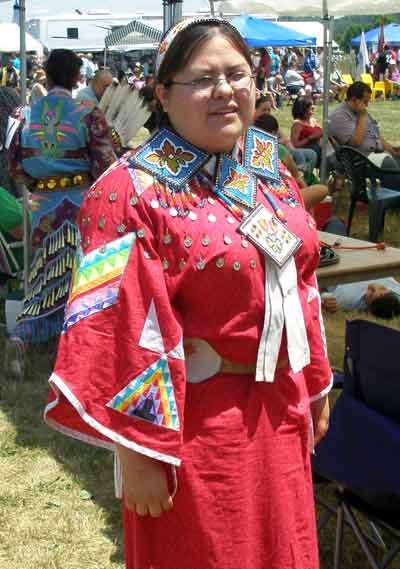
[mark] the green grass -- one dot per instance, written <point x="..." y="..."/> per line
<point x="57" y="506"/>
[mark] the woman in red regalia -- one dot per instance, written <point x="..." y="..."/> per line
<point x="193" y="342"/>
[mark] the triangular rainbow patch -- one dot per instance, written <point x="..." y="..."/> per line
<point x="150" y="397"/>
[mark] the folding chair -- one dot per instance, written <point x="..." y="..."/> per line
<point x="358" y="168"/>
<point x="11" y="269"/>
<point x="10" y="265"/>
<point x="361" y="452"/>
<point x="327" y="509"/>
<point x="377" y="87"/>
<point x="347" y="78"/>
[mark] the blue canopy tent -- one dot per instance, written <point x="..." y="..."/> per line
<point x="391" y="34"/>
<point x="261" y="33"/>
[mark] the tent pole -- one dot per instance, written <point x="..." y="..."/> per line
<point x="22" y="51"/>
<point x="327" y="58"/>
<point x="165" y="15"/>
<point x="178" y="11"/>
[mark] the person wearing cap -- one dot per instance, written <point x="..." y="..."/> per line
<point x="59" y="148"/>
<point x="39" y="85"/>
<point x="193" y="343"/>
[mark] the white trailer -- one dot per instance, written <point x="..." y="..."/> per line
<point x="83" y="32"/>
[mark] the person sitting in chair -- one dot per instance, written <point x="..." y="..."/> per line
<point x="336" y="83"/>
<point x="380" y="297"/>
<point x="351" y="124"/>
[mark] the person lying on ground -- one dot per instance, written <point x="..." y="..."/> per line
<point x="380" y="297"/>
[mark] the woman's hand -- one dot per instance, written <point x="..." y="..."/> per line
<point x="320" y="417"/>
<point x="145" y="484"/>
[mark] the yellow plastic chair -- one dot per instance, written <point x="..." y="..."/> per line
<point x="389" y="87"/>
<point x="379" y="87"/>
<point x="367" y="78"/>
<point x="347" y="78"/>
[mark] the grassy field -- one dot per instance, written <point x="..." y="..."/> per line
<point x="57" y="507"/>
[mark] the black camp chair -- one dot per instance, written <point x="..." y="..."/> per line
<point x="358" y="169"/>
<point x="361" y="452"/>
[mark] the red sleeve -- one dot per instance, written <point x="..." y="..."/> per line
<point x="119" y="374"/>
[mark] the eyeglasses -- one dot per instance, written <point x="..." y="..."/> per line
<point x="207" y="83"/>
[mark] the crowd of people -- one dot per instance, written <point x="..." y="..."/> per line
<point x="140" y="271"/>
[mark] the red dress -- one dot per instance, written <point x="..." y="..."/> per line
<point x="146" y="279"/>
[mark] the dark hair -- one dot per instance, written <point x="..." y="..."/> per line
<point x="358" y="90"/>
<point x="9" y="101"/>
<point x="386" y="306"/>
<point x="188" y="40"/>
<point x="147" y="94"/>
<point x="62" y="68"/>
<point x="262" y="99"/>
<point x="300" y="107"/>
<point x="267" y="123"/>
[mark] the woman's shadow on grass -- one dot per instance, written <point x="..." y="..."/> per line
<point x="24" y="403"/>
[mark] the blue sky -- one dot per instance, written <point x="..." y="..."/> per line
<point x="49" y="7"/>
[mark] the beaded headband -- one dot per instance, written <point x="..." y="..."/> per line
<point x="173" y="32"/>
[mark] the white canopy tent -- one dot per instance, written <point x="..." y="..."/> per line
<point x="315" y="29"/>
<point x="324" y="9"/>
<point x="135" y="35"/>
<point x="10" y="40"/>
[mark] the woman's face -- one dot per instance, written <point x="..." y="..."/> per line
<point x="211" y="120"/>
<point x="309" y="112"/>
<point x="263" y="109"/>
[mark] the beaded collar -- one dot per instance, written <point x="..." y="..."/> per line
<point x="174" y="162"/>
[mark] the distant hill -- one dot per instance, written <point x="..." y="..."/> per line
<point x="368" y="22"/>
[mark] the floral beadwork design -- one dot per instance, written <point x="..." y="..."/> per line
<point x="262" y="155"/>
<point x="163" y="47"/>
<point x="170" y="156"/>
<point x="237" y="181"/>
<point x="274" y="243"/>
